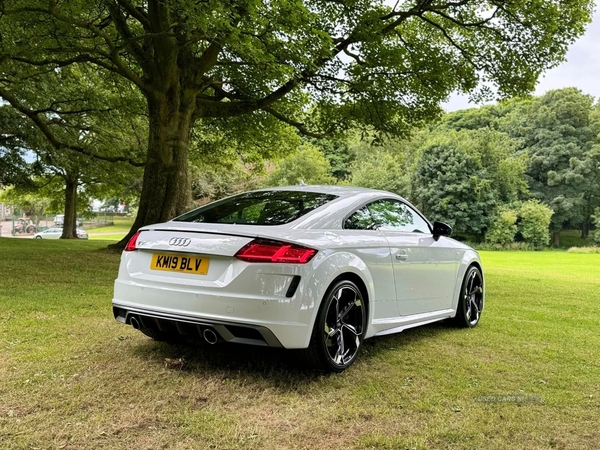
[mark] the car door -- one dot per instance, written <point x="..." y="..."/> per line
<point x="424" y="267"/>
<point x="53" y="233"/>
<point x="361" y="237"/>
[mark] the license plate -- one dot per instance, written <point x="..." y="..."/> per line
<point x="179" y="263"/>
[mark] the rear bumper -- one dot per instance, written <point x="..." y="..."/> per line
<point x="194" y="327"/>
<point x="248" y="319"/>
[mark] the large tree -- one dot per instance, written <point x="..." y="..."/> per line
<point x="558" y="132"/>
<point x="72" y="126"/>
<point x="357" y="62"/>
<point x="463" y="176"/>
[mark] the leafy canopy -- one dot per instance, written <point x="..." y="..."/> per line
<point x="463" y="176"/>
<point x="360" y="62"/>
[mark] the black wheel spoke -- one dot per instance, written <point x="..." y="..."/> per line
<point x="349" y="307"/>
<point x="474" y="308"/>
<point x="471" y="282"/>
<point x="337" y="303"/>
<point x="351" y="329"/>
<point x="475" y="287"/>
<point x="468" y="312"/>
<point x="341" y="348"/>
<point x="344" y="322"/>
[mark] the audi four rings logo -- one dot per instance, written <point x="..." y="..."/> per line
<point x="180" y="242"/>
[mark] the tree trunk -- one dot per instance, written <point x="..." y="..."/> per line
<point x="70" y="222"/>
<point x="166" y="186"/>
<point x="585" y="228"/>
<point x="556" y="238"/>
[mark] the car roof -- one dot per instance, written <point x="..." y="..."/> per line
<point x="327" y="189"/>
<point x="329" y="215"/>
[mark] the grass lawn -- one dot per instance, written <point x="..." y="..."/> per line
<point x="71" y="377"/>
<point x="106" y="237"/>
<point x="122" y="225"/>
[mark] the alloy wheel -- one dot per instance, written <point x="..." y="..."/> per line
<point x="344" y="324"/>
<point x="473" y="297"/>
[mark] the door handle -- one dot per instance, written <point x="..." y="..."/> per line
<point x="401" y="256"/>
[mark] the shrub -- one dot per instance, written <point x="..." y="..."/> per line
<point x="535" y="220"/>
<point x="584" y="250"/>
<point x="513" y="246"/>
<point x="503" y="228"/>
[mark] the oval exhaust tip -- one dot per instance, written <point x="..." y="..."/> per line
<point x="134" y="323"/>
<point x="210" y="336"/>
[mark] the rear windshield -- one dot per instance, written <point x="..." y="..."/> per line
<point x="258" y="208"/>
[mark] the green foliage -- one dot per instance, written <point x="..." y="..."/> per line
<point x="379" y="169"/>
<point x="596" y="232"/>
<point x="307" y="165"/>
<point x="215" y="182"/>
<point x="31" y="203"/>
<point x="339" y="155"/>
<point x="228" y="156"/>
<point x="557" y="132"/>
<point x="81" y="134"/>
<point x="512" y="246"/>
<point x="463" y="176"/>
<point x="321" y="67"/>
<point x="534" y="222"/>
<point x="401" y="62"/>
<point x="503" y="228"/>
<point x="471" y="119"/>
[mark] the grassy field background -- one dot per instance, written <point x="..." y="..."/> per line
<point x="71" y="377"/>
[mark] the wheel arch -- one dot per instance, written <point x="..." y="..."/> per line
<point x="337" y="266"/>
<point x="470" y="258"/>
<point x="356" y="279"/>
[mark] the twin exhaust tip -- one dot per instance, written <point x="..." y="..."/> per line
<point x="134" y="323"/>
<point x="208" y="334"/>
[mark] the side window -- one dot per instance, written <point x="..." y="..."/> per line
<point x="397" y="216"/>
<point x="360" y="220"/>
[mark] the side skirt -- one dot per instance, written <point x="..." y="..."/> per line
<point x="382" y="327"/>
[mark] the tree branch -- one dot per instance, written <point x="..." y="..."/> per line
<point x="449" y="38"/>
<point x="298" y="125"/>
<point x="136" y="13"/>
<point x="50" y="136"/>
<point x="119" y="65"/>
<point x="130" y="41"/>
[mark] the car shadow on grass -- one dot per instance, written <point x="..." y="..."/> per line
<point x="278" y="367"/>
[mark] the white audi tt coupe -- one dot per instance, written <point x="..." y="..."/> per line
<point x="319" y="268"/>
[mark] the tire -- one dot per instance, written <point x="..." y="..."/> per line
<point x="339" y="329"/>
<point x="38" y="237"/>
<point x="470" y="301"/>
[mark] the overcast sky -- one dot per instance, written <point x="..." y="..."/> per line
<point x="581" y="69"/>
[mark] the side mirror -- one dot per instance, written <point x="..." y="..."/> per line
<point x="441" y="229"/>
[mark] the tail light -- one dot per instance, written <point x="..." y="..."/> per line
<point x="131" y="245"/>
<point x="260" y="250"/>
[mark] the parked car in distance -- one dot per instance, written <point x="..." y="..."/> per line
<point x="59" y="220"/>
<point x="56" y="233"/>
<point x="318" y="268"/>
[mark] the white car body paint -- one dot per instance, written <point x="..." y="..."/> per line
<point x="400" y="294"/>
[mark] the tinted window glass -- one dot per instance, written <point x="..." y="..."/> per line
<point x="360" y="220"/>
<point x="397" y="216"/>
<point x="259" y="208"/>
